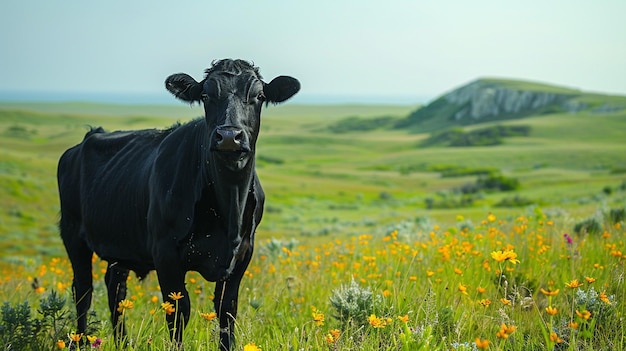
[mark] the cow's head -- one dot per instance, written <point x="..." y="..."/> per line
<point x="232" y="93"/>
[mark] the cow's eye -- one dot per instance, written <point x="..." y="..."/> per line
<point x="261" y="97"/>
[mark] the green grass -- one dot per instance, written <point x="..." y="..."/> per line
<point x="444" y="282"/>
<point x="321" y="181"/>
<point x="327" y="189"/>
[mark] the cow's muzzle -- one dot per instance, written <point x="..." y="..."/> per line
<point x="229" y="139"/>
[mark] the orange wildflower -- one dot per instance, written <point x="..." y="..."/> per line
<point x="505" y="331"/>
<point x="168" y="307"/>
<point x="551" y="310"/>
<point x="584" y="314"/>
<point x="605" y="298"/>
<point x="209" y="316"/>
<point x="404" y="318"/>
<point x="555" y="338"/>
<point x="463" y="289"/>
<point x="590" y="280"/>
<point x="481" y="344"/>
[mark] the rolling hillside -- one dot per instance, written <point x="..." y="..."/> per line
<point x="486" y="100"/>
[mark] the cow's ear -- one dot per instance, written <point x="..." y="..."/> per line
<point x="184" y="87"/>
<point x="281" y="88"/>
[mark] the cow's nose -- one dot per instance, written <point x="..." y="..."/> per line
<point x="228" y="139"/>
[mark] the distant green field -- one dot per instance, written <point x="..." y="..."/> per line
<point x="322" y="183"/>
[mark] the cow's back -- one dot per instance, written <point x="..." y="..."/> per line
<point x="103" y="186"/>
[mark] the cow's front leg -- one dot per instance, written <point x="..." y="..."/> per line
<point x="225" y="302"/>
<point x="175" y="298"/>
<point x="226" y="307"/>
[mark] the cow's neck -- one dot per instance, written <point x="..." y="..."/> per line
<point x="231" y="190"/>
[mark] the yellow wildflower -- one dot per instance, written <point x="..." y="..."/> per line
<point x="318" y="317"/>
<point x="574" y="284"/>
<point x="485" y="302"/>
<point x="376" y="322"/>
<point x="175" y="296"/>
<point x="551" y="310"/>
<point x="506" y="255"/>
<point x="549" y="292"/>
<point x="124" y="305"/>
<point x="60" y="344"/>
<point x="505" y="301"/>
<point x="251" y="347"/>
<point x="590" y="280"/>
<point x="404" y="318"/>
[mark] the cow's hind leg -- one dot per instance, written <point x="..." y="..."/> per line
<point x="115" y="280"/>
<point x="80" y="256"/>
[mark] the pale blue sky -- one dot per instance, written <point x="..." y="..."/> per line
<point x="345" y="48"/>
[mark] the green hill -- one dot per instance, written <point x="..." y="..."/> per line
<point x="487" y="100"/>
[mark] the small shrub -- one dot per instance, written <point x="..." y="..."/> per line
<point x="516" y="201"/>
<point x="590" y="300"/>
<point x="498" y="183"/>
<point x="353" y="303"/>
<point x="590" y="225"/>
<point x="54" y="314"/>
<point x="617" y="215"/>
<point x="17" y="328"/>
<point x="274" y="248"/>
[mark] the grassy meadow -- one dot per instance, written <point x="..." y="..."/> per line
<point x="370" y="241"/>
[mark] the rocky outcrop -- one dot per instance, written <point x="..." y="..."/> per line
<point x="487" y="100"/>
<point x="482" y="99"/>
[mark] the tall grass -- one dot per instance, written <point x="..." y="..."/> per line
<point x="518" y="283"/>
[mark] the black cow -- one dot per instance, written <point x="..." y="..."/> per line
<point x="182" y="199"/>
